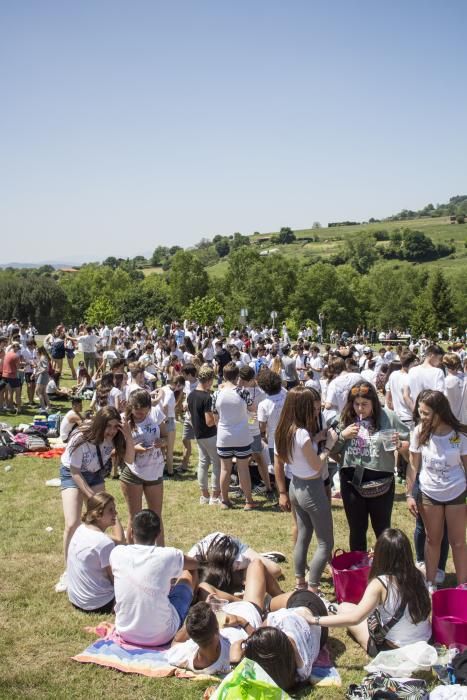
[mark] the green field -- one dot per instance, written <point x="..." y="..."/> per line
<point x="40" y="631"/>
<point x="331" y="240"/>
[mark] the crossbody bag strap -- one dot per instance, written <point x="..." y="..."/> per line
<point x="99" y="457"/>
<point x="397" y="615"/>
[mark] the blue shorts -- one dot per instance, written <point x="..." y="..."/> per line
<point x="181" y="596"/>
<point x="91" y="478"/>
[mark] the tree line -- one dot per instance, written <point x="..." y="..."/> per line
<point x="384" y="295"/>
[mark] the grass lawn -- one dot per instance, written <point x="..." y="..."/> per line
<point x="40" y="630"/>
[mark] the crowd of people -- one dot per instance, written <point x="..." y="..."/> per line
<point x="301" y="423"/>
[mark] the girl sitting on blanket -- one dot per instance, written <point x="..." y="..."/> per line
<point x="397" y="592"/>
<point x="90" y="580"/>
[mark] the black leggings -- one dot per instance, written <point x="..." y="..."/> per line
<point x="357" y="509"/>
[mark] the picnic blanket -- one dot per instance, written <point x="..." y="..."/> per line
<point x="48" y="454"/>
<point x="111" y="651"/>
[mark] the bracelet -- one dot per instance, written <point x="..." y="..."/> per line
<point x="408" y="495"/>
<point x="245" y="625"/>
<point x="317" y="619"/>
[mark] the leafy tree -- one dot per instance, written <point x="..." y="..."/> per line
<point x="222" y="247"/>
<point x="416" y="246"/>
<point x="175" y="248"/>
<point x="361" y="253"/>
<point x="286" y="236"/>
<point x="159" y="255"/>
<point x="187" y="279"/>
<point x="238" y="241"/>
<point x="441" y="299"/>
<point x="316" y="225"/>
<point x="111" y="261"/>
<point x="460" y="219"/>
<point x="205" y="310"/>
<point x="149" y="299"/>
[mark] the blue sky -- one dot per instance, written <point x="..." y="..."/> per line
<point x="125" y="125"/>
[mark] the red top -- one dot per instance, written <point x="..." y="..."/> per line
<point x="10" y="365"/>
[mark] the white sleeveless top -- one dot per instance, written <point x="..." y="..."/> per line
<point x="405" y="631"/>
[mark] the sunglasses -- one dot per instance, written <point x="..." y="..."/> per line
<point x="359" y="390"/>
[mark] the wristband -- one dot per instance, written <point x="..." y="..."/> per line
<point x="317" y="619"/>
<point x="283" y="493"/>
<point x="408" y="495"/>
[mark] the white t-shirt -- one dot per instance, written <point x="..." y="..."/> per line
<point x="256" y="395"/>
<point x="167" y="401"/>
<point x="84" y="457"/>
<point x="88" y="556"/>
<point x="456" y="392"/>
<point x="299" y="465"/>
<point x="306" y="637"/>
<point x="369" y="375"/>
<point x="114" y="394"/>
<point x="442" y="475"/>
<point x="142" y="575"/>
<point x="157" y="414"/>
<point x="88" y="343"/>
<point x="269" y="411"/>
<point x="148" y="465"/>
<point x="183" y="656"/>
<point x="398" y="380"/>
<point x="67" y="425"/>
<point x="339" y="388"/>
<point x="421" y="378"/>
<point x="231" y="406"/>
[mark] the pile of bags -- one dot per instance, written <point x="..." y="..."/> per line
<point x="28" y="438"/>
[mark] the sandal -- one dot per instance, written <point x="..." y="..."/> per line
<point x="250" y="506"/>
<point x="226" y="505"/>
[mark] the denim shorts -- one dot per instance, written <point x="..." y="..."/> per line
<point x="91" y="478"/>
<point x="257" y="445"/>
<point x="181" y="596"/>
<point x="171" y="426"/>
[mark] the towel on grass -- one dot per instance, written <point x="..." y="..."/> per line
<point x="111" y="651"/>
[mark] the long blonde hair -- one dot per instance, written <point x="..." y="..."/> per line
<point x="95" y="507"/>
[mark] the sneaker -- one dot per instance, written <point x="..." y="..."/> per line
<point x="440" y="576"/>
<point x="278" y="557"/>
<point x="421" y="567"/>
<point x="215" y="501"/>
<point x="204" y="500"/>
<point x="260" y="489"/>
<point x="62" y="584"/>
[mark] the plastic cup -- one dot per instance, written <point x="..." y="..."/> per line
<point x="388" y="438"/>
<point x="217" y="605"/>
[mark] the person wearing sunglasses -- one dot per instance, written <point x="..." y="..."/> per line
<point x="368" y="435"/>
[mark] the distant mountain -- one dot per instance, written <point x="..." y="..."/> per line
<point x="29" y="265"/>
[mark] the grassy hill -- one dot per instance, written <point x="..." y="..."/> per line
<point x="329" y="241"/>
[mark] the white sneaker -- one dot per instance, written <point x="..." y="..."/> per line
<point x="215" y="501"/>
<point x="440" y="576"/>
<point x="204" y="500"/>
<point x="62" y="584"/>
<point x="421" y="567"/>
<point x="431" y="588"/>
